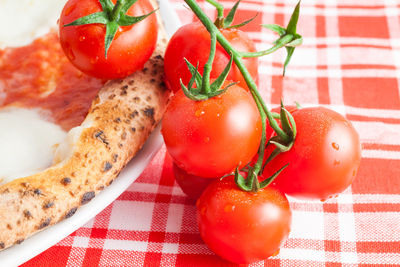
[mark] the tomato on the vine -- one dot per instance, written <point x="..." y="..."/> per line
<point x="84" y="45"/>
<point x="192" y="185"/>
<point x="324" y="158"/>
<point x="192" y="41"/>
<point x="243" y="227"/>
<point x="211" y="138"/>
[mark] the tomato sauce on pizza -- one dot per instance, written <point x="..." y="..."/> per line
<point x="39" y="75"/>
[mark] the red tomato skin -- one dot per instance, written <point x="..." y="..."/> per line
<point x="192" y="185"/>
<point x="211" y="138"/>
<point x="84" y="45"/>
<point x="324" y="158"/>
<point x="243" y="227"/>
<point x="192" y="41"/>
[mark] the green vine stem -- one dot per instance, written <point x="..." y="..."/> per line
<point x="237" y="58"/>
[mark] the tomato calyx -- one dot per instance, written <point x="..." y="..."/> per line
<point x="112" y="16"/>
<point x="251" y="183"/>
<point x="288" y="38"/>
<point x="204" y="90"/>
<point x="283" y="144"/>
<point x="226" y="22"/>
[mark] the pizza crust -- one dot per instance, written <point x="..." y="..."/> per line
<point x="121" y="118"/>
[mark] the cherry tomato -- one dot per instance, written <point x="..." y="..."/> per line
<point x="243" y="227"/>
<point x="192" y="41"/>
<point x="211" y="138"/>
<point x="84" y="44"/>
<point x="324" y="158"/>
<point x="191" y="185"/>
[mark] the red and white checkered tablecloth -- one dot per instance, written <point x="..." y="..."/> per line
<point x="350" y="61"/>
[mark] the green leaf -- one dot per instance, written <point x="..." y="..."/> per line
<point x="282" y="41"/>
<point x="107" y="6"/>
<point x="298" y="40"/>
<point x="293" y="123"/>
<point x="242" y="24"/>
<point x="111" y="29"/>
<point x="273" y="154"/>
<point x="191" y="95"/>
<point x="241" y="181"/>
<point x="277" y="142"/>
<point x="270" y="179"/>
<point x="292" y="26"/>
<point x="127" y="5"/>
<point x="99" y="17"/>
<point x="289" y="51"/>
<point x="222" y="77"/>
<point x="126" y="20"/>
<point x="276" y="28"/>
<point x="285" y="121"/>
<point x="194" y="71"/>
<point x="220" y="91"/>
<point x="229" y="18"/>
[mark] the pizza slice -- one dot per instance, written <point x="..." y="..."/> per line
<point x="120" y="119"/>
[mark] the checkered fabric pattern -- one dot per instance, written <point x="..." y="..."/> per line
<point x="350" y="61"/>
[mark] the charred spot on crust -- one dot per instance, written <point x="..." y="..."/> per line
<point x="27" y="214"/>
<point x="136" y="99"/>
<point x="87" y="197"/>
<point x="19" y="241"/>
<point x="37" y="191"/>
<point x="115" y="157"/>
<point x="48" y="205"/>
<point x="107" y="166"/>
<point x="101" y="187"/>
<point x="66" y="181"/>
<point x="70" y="213"/>
<point x="124" y="90"/>
<point x="9" y="227"/>
<point x="133" y="114"/>
<point x="44" y="223"/>
<point x="117" y="120"/>
<point x="2" y="245"/>
<point x="149" y="113"/>
<point x="100" y="135"/>
<point x="159" y="57"/>
<point x="131" y="82"/>
<point x="153" y="80"/>
<point x="110" y="182"/>
<point x="123" y="136"/>
<point x="145" y="70"/>
<point x="133" y="129"/>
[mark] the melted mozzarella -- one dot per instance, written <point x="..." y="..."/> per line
<point x="27" y="143"/>
<point x="22" y="21"/>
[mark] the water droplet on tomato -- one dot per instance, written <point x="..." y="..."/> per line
<point x="70" y="54"/>
<point x="199" y="112"/>
<point x="276" y="253"/>
<point x="335" y="146"/>
<point x="229" y="208"/>
<point x="94" y="59"/>
<point x="203" y="210"/>
<point x="207" y="139"/>
<point x="82" y="38"/>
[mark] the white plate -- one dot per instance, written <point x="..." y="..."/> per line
<point x="39" y="242"/>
